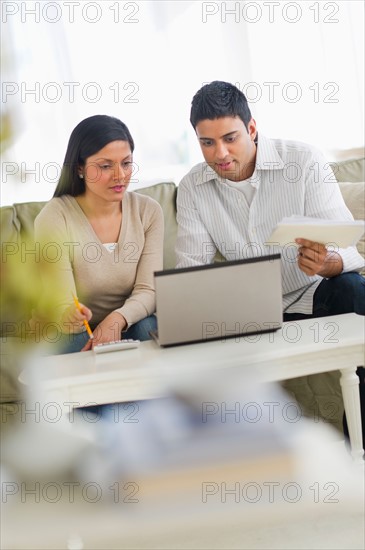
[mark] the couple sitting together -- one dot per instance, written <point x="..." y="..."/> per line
<point x="112" y="239"/>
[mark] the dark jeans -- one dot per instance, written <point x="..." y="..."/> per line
<point x="342" y="294"/>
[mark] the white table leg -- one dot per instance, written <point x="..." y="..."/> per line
<point x="351" y="398"/>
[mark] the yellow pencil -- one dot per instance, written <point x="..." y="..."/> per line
<point x="88" y="329"/>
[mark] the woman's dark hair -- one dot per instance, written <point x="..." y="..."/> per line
<point x="219" y="99"/>
<point x="89" y="136"/>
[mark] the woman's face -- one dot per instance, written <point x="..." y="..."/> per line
<point x="107" y="172"/>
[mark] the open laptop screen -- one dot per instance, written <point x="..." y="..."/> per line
<point x="218" y="301"/>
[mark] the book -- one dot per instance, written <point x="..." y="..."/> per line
<point x="334" y="233"/>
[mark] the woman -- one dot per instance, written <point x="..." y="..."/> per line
<point x="101" y="242"/>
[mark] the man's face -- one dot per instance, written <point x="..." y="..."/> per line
<point x="228" y="147"/>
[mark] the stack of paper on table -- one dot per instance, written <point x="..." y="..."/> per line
<point x="337" y="233"/>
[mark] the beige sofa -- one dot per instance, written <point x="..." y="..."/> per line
<point x="319" y="395"/>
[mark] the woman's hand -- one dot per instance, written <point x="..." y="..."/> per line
<point x="108" y="330"/>
<point x="73" y="319"/>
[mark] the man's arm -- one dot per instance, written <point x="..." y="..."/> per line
<point x="324" y="200"/>
<point x="194" y="245"/>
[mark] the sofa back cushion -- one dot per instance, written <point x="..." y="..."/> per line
<point x="19" y="267"/>
<point x="165" y="194"/>
<point x="349" y="170"/>
<point x="354" y="197"/>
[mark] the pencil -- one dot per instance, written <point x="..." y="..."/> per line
<point x="88" y="329"/>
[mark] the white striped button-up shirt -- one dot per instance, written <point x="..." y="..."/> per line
<point x="290" y="178"/>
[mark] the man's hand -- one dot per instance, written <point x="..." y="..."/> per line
<point x="315" y="259"/>
<point x="108" y="330"/>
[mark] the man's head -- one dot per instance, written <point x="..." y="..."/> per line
<point x="226" y="130"/>
<point x="219" y="99"/>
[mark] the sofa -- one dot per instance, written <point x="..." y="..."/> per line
<point x="318" y="395"/>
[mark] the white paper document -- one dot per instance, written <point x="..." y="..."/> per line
<point x="335" y="233"/>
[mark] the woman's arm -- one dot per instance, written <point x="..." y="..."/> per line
<point x="141" y="301"/>
<point x="55" y="269"/>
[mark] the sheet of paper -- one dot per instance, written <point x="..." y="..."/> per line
<point x="337" y="234"/>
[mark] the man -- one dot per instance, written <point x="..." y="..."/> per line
<point x="247" y="184"/>
<point x="232" y="202"/>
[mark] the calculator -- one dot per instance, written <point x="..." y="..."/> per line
<point x="117" y="345"/>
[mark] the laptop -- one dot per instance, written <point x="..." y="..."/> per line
<point x="218" y="301"/>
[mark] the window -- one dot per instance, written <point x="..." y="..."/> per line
<point x="299" y="63"/>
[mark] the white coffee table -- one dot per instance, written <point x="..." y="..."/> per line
<point x="299" y="348"/>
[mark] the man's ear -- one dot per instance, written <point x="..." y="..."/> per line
<point x="251" y="128"/>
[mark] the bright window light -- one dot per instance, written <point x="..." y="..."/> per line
<point x="299" y="63"/>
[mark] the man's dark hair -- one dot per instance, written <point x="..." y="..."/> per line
<point x="219" y="99"/>
<point x="87" y="138"/>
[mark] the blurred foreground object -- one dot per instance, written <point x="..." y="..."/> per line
<point x="199" y="468"/>
<point x="20" y="292"/>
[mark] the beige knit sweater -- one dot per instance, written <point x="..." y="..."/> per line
<point x="75" y="261"/>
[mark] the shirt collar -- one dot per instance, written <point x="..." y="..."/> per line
<point x="267" y="157"/>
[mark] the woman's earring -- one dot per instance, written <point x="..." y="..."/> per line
<point x="81" y="176"/>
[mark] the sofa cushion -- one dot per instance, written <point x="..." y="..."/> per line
<point x="10" y="227"/>
<point x="19" y="267"/>
<point x="26" y="214"/>
<point x="349" y="170"/>
<point x="354" y="197"/>
<point x="12" y="361"/>
<point x="165" y="194"/>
